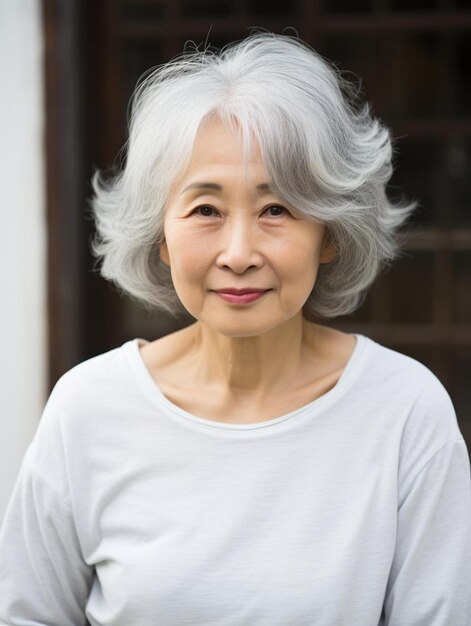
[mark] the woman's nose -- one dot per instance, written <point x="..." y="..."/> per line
<point x="239" y="247"/>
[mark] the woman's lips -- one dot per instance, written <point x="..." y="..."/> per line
<point x="241" y="298"/>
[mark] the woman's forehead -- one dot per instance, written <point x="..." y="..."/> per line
<point x="217" y="157"/>
<point x="215" y="139"/>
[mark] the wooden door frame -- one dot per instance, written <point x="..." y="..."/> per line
<point x="63" y="149"/>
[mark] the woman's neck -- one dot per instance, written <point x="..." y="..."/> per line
<point x="250" y="367"/>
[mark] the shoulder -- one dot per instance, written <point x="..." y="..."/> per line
<point x="415" y="399"/>
<point x="409" y="379"/>
<point x="75" y="409"/>
<point x="94" y="376"/>
<point x="416" y="409"/>
<point x="87" y="390"/>
<point x="100" y="365"/>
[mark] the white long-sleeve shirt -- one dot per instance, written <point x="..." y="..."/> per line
<point x="354" y="510"/>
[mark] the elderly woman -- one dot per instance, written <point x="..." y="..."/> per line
<point x="256" y="468"/>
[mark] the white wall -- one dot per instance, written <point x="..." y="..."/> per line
<point x="23" y="355"/>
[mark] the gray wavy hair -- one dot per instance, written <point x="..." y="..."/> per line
<point x="324" y="152"/>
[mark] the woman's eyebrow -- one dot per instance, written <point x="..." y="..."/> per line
<point x="262" y="188"/>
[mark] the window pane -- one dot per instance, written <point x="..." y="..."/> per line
<point x="138" y="57"/>
<point x="398" y="71"/>
<point x="271" y="8"/>
<point x="463" y="73"/>
<point x="147" y="10"/>
<point x="412" y="281"/>
<point x="414" y="5"/>
<point x="205" y="8"/>
<point x="458" y="166"/>
<point x="462" y="287"/>
<point x="415" y="176"/>
<point x="407" y="76"/>
<point x="347" y="6"/>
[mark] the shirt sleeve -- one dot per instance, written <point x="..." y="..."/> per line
<point x="43" y="577"/>
<point x="430" y="577"/>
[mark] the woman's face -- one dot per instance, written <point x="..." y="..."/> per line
<point x="228" y="234"/>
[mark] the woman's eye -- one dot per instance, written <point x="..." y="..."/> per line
<point x="276" y="210"/>
<point x="204" y="210"/>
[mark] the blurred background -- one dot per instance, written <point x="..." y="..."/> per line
<point x="68" y="69"/>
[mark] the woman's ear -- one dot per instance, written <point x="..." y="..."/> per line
<point x="163" y="252"/>
<point x="329" y="253"/>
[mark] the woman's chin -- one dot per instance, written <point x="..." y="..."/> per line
<point x="244" y="325"/>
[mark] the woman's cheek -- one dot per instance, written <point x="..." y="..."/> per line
<point x="190" y="255"/>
